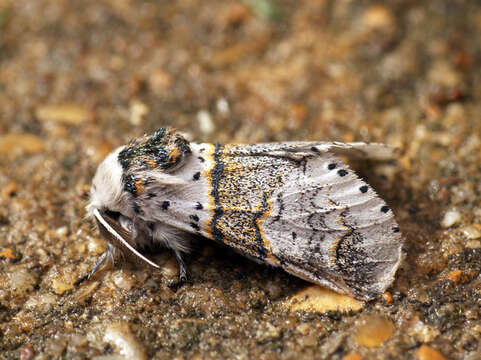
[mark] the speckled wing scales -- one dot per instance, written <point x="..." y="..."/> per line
<point x="296" y="205"/>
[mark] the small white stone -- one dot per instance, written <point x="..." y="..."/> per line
<point x="61" y="231"/>
<point x="451" y="218"/>
<point x="123" y="280"/>
<point x="267" y="332"/>
<point x="222" y="106"/>
<point x="96" y="246"/>
<point x="44" y="300"/>
<point x="473" y="244"/>
<point x="206" y="125"/>
<point x="137" y="112"/>
<point x="20" y="281"/>
<point x="120" y="335"/>
<point x="472" y="232"/>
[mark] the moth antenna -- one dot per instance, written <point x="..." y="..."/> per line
<point x="106" y="255"/>
<point x="122" y="241"/>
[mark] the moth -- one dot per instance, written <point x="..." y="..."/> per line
<point x="293" y="205"/>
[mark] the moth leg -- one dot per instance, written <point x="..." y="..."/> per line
<point x="108" y="255"/>
<point x="182" y="266"/>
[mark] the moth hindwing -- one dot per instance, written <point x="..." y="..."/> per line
<point x="295" y="205"/>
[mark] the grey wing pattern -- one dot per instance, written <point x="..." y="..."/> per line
<point x="306" y="211"/>
<point x="330" y="227"/>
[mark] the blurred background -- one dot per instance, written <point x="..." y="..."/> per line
<point x="79" y="78"/>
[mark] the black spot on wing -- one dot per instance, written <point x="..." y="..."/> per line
<point x="194" y="226"/>
<point x="342" y="172"/>
<point x="364" y="189"/>
<point x="331" y="166"/>
<point x="165" y="205"/>
<point x="198" y="206"/>
<point x="385" y="209"/>
<point x="196" y="176"/>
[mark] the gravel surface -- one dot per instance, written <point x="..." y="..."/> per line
<point x="79" y="78"/>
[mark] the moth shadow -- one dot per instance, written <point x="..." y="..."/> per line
<point x="221" y="265"/>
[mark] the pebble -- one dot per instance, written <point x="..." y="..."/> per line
<point x="331" y="344"/>
<point x="123" y="279"/>
<point x="96" y="246"/>
<point x="387" y="297"/>
<point x="78" y="341"/>
<point x="378" y="17"/>
<point x="455" y="276"/>
<point x="222" y="106"/>
<point x="274" y="290"/>
<point x="108" y="357"/>
<point x="170" y="268"/>
<point x="86" y="291"/>
<point x="419" y="294"/>
<point x="8" y="253"/>
<point x="43" y="301"/>
<point x="303" y="328"/>
<point x="443" y="73"/>
<point x="235" y="14"/>
<point x="21" y="143"/>
<point x="352" y="356"/>
<point x="373" y="331"/>
<point x="59" y="287"/>
<point x="473" y="244"/>
<point x="9" y="190"/>
<point x="428" y="353"/>
<point x="451" y="218"/>
<point x="27" y="353"/>
<point x="61" y="231"/>
<point x="206" y="124"/>
<point x="268" y="332"/>
<point x="318" y="299"/>
<point x="422" y="332"/>
<point x="472" y="231"/>
<point x="120" y="335"/>
<point x="68" y="114"/>
<point x="20" y="281"/>
<point x="56" y="346"/>
<point x="308" y="340"/>
<point x="137" y="112"/>
<point x="160" y="82"/>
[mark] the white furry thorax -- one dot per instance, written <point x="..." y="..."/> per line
<point x="107" y="189"/>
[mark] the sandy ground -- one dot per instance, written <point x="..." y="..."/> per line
<point x="79" y="78"/>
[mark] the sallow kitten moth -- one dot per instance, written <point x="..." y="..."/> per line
<point x="295" y="205"/>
